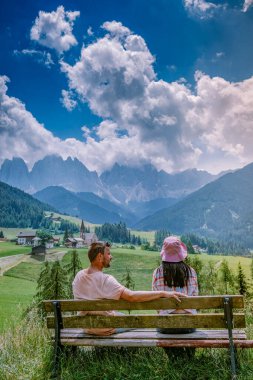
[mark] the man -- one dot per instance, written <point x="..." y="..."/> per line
<point x="93" y="284"/>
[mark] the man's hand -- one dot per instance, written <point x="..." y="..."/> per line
<point x="176" y="295"/>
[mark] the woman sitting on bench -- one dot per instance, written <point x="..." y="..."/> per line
<point x="174" y="274"/>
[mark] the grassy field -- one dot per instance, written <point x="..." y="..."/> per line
<point x="15" y="296"/>
<point x="8" y="249"/>
<point x="26" y="351"/>
<point x="72" y="219"/>
<point x="141" y="264"/>
<point x="148" y="235"/>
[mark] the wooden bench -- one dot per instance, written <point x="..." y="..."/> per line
<point x="223" y="329"/>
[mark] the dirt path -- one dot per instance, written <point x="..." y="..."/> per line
<point x="9" y="262"/>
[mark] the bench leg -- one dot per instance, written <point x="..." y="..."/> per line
<point x="56" y="373"/>
<point x="229" y="320"/>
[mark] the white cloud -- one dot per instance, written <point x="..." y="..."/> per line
<point x="67" y="100"/>
<point x="201" y="8"/>
<point x="89" y="31"/>
<point x="247" y="4"/>
<point x="166" y="124"/>
<point x="54" y="29"/>
<point x="169" y="125"/>
<point x="42" y="57"/>
<point x="116" y="28"/>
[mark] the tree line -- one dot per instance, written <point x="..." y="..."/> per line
<point x="117" y="233"/>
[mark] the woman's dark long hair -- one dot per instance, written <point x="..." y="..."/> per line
<point x="176" y="274"/>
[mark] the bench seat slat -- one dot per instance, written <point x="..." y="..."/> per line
<point x="210" y="320"/>
<point x="153" y="334"/>
<point x="198" y="302"/>
<point x="156" y="343"/>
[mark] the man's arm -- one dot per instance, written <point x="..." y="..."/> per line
<point x="140" y="296"/>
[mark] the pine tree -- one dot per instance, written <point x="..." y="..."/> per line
<point x="197" y="265"/>
<point x="226" y="275"/>
<point x="241" y="279"/>
<point x="59" y="281"/>
<point x="128" y="281"/>
<point x="1" y="235"/>
<point x="72" y="268"/>
<point x="43" y="290"/>
<point x="66" y="235"/>
<point x="211" y="276"/>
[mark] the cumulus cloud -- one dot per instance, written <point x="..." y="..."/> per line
<point x="201" y="8"/>
<point x="144" y="120"/>
<point x="167" y="124"/>
<point x="247" y="4"/>
<point x="42" y="57"/>
<point x="54" y="29"/>
<point x="116" y="28"/>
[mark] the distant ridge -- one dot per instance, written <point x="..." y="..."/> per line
<point x="221" y="209"/>
<point x="87" y="206"/>
<point x="122" y="185"/>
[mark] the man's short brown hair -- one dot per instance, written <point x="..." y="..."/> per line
<point x="96" y="248"/>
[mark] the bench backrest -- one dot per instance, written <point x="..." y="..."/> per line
<point x="208" y="319"/>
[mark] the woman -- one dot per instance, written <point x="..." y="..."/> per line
<point x="175" y="274"/>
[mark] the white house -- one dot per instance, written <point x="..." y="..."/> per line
<point x="26" y="238"/>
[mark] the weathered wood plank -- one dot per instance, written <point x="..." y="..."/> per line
<point x="156" y="343"/>
<point x="200" y="302"/>
<point x="210" y="320"/>
<point x="153" y="334"/>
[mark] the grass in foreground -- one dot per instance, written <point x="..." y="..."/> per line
<point x="26" y="354"/>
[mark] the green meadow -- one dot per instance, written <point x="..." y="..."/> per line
<point x="27" y="353"/>
<point x="8" y="249"/>
<point x="18" y="285"/>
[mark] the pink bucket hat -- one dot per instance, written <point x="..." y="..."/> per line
<point x="173" y="250"/>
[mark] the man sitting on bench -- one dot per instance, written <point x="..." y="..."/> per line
<point x="92" y="284"/>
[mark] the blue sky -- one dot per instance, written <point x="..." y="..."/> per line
<point x="166" y="82"/>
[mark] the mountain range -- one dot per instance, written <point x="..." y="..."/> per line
<point x="121" y="185"/>
<point x="191" y="201"/>
<point x="222" y="209"/>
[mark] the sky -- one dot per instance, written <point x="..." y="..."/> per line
<point x="161" y="82"/>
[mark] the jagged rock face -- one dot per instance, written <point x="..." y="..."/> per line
<point x="121" y="184"/>
<point x="15" y="173"/>
<point x="146" y="183"/>
<point x="71" y="174"/>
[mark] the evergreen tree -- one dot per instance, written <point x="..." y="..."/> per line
<point x="1" y="235"/>
<point x="43" y="290"/>
<point x="66" y="235"/>
<point x="72" y="268"/>
<point x="210" y="277"/>
<point x="241" y="279"/>
<point x="52" y="283"/>
<point x="226" y="275"/>
<point x="59" y="281"/>
<point x="197" y="265"/>
<point x="128" y="280"/>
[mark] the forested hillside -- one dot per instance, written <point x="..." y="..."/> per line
<point x="18" y="209"/>
<point x="222" y="209"/>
